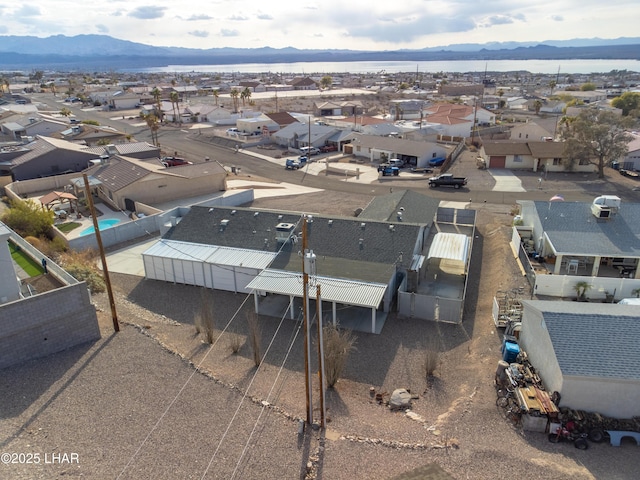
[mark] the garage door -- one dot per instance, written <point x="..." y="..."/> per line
<point x="498" y="162"/>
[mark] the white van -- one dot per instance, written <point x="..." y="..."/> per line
<point x="306" y="151"/>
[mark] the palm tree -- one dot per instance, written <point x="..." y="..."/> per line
<point x="537" y="105"/>
<point x="234" y="96"/>
<point x="216" y="95"/>
<point x="581" y="289"/>
<point x="175" y="100"/>
<point x="154" y="126"/>
<point x="245" y="95"/>
<point x="157" y="94"/>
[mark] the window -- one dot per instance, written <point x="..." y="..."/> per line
<point x="517" y="158"/>
<point x="556" y="161"/>
<point x="583" y="161"/>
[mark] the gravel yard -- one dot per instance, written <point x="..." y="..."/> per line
<point x="133" y="406"/>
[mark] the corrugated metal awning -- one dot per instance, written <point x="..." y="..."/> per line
<point x="332" y="289"/>
<point x="450" y="246"/>
<point x="197" y="252"/>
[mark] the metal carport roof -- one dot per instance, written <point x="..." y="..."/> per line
<point x="450" y="246"/>
<point x="332" y="289"/>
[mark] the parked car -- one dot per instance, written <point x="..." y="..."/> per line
<point x="174" y="162"/>
<point x="388" y="170"/>
<point x="328" y="148"/>
<point x="437" y="162"/>
<point x="233" y="132"/>
<point x="447" y="180"/>
<point x="309" y="151"/>
<point x="295" y="163"/>
<point x="396" y="162"/>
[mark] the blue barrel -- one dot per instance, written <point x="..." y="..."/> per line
<point x="510" y="352"/>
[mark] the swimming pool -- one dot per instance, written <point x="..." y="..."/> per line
<point x="102" y="224"/>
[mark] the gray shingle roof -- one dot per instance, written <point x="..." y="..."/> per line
<point x="415" y="208"/>
<point x="334" y="240"/>
<point x="573" y="229"/>
<point x="593" y="340"/>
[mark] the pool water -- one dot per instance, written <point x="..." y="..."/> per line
<point x="102" y="224"/>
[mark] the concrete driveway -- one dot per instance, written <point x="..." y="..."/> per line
<point x="506" y="181"/>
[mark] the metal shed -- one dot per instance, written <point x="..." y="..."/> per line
<point x="211" y="266"/>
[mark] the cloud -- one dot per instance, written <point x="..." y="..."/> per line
<point x="28" y="11"/>
<point x="148" y="12"/>
<point x="225" y="32"/>
<point x="194" y="18"/>
<point x="557" y="18"/>
<point x="199" y="33"/>
<point x="408" y="28"/>
<point x="102" y="28"/>
<point x="264" y="16"/>
<point x="238" y="18"/>
<point x="501" y="20"/>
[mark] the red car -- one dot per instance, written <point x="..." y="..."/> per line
<point x="328" y="148"/>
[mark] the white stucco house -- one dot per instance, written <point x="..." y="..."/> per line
<point x="588" y="352"/>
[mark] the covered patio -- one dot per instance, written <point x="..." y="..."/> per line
<point x="55" y="198"/>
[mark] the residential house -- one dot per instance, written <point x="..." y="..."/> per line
<point x="406" y="109"/>
<point x="91" y="134"/>
<point x="122" y="181"/>
<point x="296" y="135"/>
<point x="631" y="160"/>
<point x="303" y="83"/>
<point x="359" y="263"/>
<point x="378" y="149"/>
<point x="597" y="243"/>
<point x="282" y="119"/>
<point x="128" y="101"/>
<point x="253" y="86"/>
<point x="529" y="155"/>
<point x="523" y="132"/>
<point x="21" y="126"/>
<point x="47" y="156"/>
<point x="338" y="109"/>
<point x="587" y="352"/>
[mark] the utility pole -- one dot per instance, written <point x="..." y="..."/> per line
<point x="305" y="318"/>
<point x="323" y="413"/>
<point x="112" y="303"/>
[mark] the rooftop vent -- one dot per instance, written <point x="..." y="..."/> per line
<point x="256" y="214"/>
<point x="392" y="228"/>
<point x="233" y="212"/>
<point x="224" y="222"/>
<point x="363" y="225"/>
<point x="330" y="222"/>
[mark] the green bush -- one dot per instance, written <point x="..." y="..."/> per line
<point x="28" y="219"/>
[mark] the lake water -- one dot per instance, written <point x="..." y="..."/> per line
<point x="533" y="66"/>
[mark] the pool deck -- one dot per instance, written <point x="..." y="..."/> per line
<point x="86" y="222"/>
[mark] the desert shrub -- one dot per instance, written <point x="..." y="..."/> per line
<point x="235" y="343"/>
<point x="431" y="359"/>
<point x="255" y="334"/>
<point x="337" y="346"/>
<point x="205" y="318"/>
<point x="82" y="266"/>
<point x="28" y="219"/>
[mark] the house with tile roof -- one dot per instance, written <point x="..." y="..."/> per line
<point x="588" y="352"/>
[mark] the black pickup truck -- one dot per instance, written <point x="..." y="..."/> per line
<point x="447" y="180"/>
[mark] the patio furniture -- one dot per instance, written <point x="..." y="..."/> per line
<point x="572" y="266"/>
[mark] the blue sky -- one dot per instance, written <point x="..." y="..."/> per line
<point x="325" y="24"/>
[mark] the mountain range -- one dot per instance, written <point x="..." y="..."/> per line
<point x="105" y="52"/>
